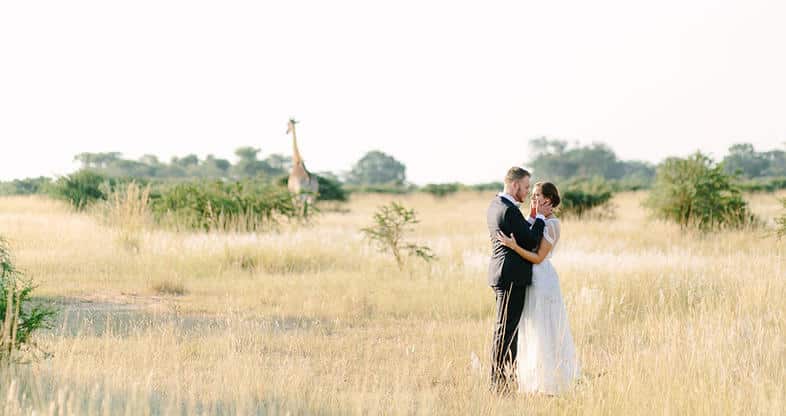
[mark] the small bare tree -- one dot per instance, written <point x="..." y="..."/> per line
<point x="391" y="223"/>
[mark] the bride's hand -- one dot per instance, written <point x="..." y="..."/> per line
<point x="506" y="241"/>
<point x="533" y="208"/>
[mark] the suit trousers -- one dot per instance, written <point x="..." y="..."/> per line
<point x="510" y="305"/>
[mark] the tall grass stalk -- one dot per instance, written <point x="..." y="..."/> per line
<point x="128" y="211"/>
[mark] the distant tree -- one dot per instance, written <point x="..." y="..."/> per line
<point x="187" y="161"/>
<point x="97" y="160"/>
<point x="86" y="159"/>
<point x="213" y="167"/>
<point x="553" y="159"/>
<point x="777" y="163"/>
<point x="377" y="168"/>
<point x="128" y="168"/>
<point x="151" y="160"/>
<point x="544" y="146"/>
<point x="279" y="163"/>
<point x="190" y="166"/>
<point x="550" y="160"/>
<point x="249" y="165"/>
<point x="247" y="153"/>
<point x="743" y="159"/>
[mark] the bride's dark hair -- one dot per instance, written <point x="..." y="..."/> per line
<point x="550" y="191"/>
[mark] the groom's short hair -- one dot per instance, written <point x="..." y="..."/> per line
<point x="516" y="174"/>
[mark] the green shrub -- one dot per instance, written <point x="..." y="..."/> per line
<point x="82" y="188"/>
<point x="696" y="192"/>
<point x="20" y="318"/>
<point x="239" y="206"/>
<point x="441" y="190"/>
<point x="579" y="197"/>
<point x="329" y="189"/>
<point x="391" y="224"/>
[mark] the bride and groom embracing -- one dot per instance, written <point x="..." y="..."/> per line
<point x="533" y="349"/>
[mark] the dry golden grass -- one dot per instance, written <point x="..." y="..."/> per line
<point x="310" y="320"/>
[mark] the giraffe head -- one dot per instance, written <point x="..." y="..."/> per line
<point x="291" y="125"/>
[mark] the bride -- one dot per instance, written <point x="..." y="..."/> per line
<point x="547" y="357"/>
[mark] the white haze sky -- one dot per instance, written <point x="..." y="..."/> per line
<point x="454" y="89"/>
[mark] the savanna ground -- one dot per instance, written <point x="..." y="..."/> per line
<point x="312" y="321"/>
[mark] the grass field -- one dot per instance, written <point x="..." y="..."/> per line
<point x="312" y="321"/>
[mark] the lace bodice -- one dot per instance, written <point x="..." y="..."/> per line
<point x="551" y="233"/>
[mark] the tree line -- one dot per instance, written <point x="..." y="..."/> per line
<point x="375" y="168"/>
<point x="377" y="171"/>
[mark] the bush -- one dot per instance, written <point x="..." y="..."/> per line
<point x="19" y="319"/>
<point x="580" y="197"/>
<point x="239" y="206"/>
<point x="329" y="189"/>
<point x="391" y="223"/>
<point x="82" y="188"/>
<point x="441" y="190"/>
<point x="696" y="192"/>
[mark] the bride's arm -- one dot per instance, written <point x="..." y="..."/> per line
<point x="534" y="258"/>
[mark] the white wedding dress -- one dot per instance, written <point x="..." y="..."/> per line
<point x="546" y="355"/>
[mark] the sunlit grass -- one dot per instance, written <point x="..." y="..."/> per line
<point x="310" y="319"/>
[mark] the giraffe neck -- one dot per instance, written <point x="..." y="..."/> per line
<point x="297" y="160"/>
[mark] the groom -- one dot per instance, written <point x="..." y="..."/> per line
<point x="509" y="274"/>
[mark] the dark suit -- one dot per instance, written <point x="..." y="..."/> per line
<point x="509" y="276"/>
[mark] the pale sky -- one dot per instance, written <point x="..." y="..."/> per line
<point x="453" y="89"/>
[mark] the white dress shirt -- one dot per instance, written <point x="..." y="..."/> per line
<point x="518" y="204"/>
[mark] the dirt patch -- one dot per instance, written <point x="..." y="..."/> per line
<point x="127" y="314"/>
<point x="116" y="302"/>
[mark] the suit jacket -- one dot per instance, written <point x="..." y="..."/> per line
<point x="506" y="265"/>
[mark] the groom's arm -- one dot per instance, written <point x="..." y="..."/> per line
<point x="526" y="236"/>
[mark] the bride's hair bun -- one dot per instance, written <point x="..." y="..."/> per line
<point x="550" y="191"/>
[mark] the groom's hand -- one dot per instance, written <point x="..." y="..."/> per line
<point x="545" y="208"/>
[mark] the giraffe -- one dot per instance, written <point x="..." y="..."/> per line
<point x="301" y="182"/>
